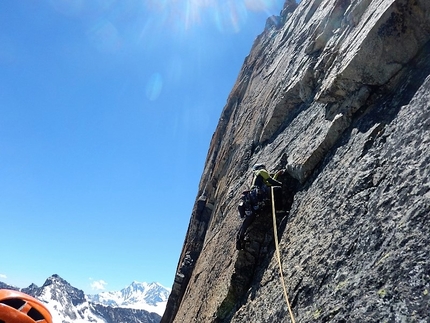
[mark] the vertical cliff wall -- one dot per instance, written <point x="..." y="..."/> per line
<point x="336" y="92"/>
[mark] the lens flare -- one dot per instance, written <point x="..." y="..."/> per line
<point x="154" y="87"/>
<point x="227" y="15"/>
<point x="230" y="16"/>
<point x="105" y="37"/>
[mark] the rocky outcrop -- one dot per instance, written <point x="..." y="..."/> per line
<point x="337" y="92"/>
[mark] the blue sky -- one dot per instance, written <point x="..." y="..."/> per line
<point x="107" y="108"/>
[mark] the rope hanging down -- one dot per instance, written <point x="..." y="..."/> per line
<point x="278" y="254"/>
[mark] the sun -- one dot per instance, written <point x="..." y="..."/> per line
<point x="226" y="15"/>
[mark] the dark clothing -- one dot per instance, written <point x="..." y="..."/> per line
<point x="252" y="201"/>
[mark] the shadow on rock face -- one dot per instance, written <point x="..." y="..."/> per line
<point x="253" y="260"/>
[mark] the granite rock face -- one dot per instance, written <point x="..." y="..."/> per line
<point x="337" y="93"/>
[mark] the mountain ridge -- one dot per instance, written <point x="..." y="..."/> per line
<point x="153" y="295"/>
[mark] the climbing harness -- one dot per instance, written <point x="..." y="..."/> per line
<point x="278" y="254"/>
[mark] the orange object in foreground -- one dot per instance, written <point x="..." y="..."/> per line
<point x="17" y="307"/>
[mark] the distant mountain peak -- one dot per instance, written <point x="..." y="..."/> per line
<point x="55" y="279"/>
<point x="138" y="295"/>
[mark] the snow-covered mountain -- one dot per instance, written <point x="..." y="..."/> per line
<point x="150" y="297"/>
<point x="68" y="304"/>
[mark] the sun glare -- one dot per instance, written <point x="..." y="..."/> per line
<point x="112" y="25"/>
<point x="227" y="15"/>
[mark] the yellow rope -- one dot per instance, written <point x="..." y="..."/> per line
<point x="278" y="254"/>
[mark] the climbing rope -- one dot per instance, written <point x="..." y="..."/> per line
<point x="278" y="254"/>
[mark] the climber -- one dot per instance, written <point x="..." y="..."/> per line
<point x="252" y="201"/>
<point x="262" y="182"/>
<point x="17" y="307"/>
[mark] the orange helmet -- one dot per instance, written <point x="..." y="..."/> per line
<point x="17" y="307"/>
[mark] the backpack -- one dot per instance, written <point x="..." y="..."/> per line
<point x="245" y="204"/>
<point x="250" y="201"/>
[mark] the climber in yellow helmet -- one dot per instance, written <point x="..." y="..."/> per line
<point x="262" y="177"/>
<point x="253" y="200"/>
